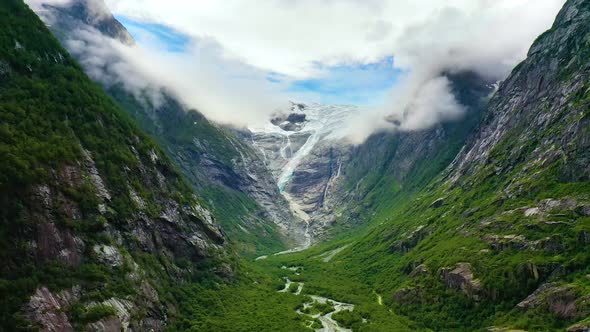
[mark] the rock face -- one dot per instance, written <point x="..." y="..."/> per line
<point x="554" y="79"/>
<point x="218" y="162"/>
<point x="561" y="300"/>
<point x="103" y="209"/>
<point x="47" y="310"/>
<point x="303" y="147"/>
<point x="88" y="12"/>
<point x="461" y="278"/>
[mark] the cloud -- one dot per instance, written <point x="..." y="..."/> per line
<point x="225" y="90"/>
<point x="290" y="37"/>
<point x="489" y="38"/>
<point x="301" y="38"/>
<point x="244" y="56"/>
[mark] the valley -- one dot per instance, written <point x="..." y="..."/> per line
<point x="123" y="208"/>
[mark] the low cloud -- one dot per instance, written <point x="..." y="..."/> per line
<point x="224" y="90"/>
<point x="488" y="38"/>
<point x="224" y="71"/>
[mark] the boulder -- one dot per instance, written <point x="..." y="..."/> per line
<point x="461" y="278"/>
<point x="583" y="327"/>
<point x="559" y="299"/>
<point x="437" y="203"/>
<point x="420" y="270"/>
<point x="407" y="295"/>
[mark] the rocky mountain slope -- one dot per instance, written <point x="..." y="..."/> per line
<point x="96" y="223"/>
<point x="498" y="240"/>
<point x="325" y="176"/>
<point x="228" y="175"/>
<point x="476" y="225"/>
<point x="304" y="148"/>
<point x="301" y="151"/>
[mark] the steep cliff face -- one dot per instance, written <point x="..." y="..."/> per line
<point x="397" y="164"/>
<point x="88" y="12"/>
<point x="228" y="175"/>
<point x="503" y="232"/>
<point x="325" y="177"/>
<point x="305" y="149"/>
<point x="96" y="222"/>
<point x="539" y="115"/>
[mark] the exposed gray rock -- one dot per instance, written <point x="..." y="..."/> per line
<point x="123" y="311"/>
<point x="139" y="202"/>
<point x="99" y="185"/>
<point x="407" y="295"/>
<point x="108" y="255"/>
<point x="47" y="310"/>
<point x="410" y="240"/>
<point x="539" y="83"/>
<point x="582" y="327"/>
<point x="420" y="270"/>
<point x="461" y="278"/>
<point x="584" y="210"/>
<point x="511" y="241"/>
<point x="437" y="203"/>
<point x="107" y="324"/>
<point x="84" y="13"/>
<point x="559" y="299"/>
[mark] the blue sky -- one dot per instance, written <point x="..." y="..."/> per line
<point x="173" y="40"/>
<point x="356" y="84"/>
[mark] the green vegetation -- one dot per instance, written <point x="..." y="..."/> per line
<point x="92" y="314"/>
<point x="349" y="319"/>
<point x="189" y="138"/>
<point x="251" y="304"/>
<point x="519" y="222"/>
<point x="55" y="124"/>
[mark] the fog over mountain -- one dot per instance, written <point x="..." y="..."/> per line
<point x="295" y="165"/>
<point x="234" y="60"/>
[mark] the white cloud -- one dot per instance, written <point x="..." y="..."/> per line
<point x="225" y="91"/>
<point x="297" y="38"/>
<point x="289" y="36"/>
<point x="426" y="37"/>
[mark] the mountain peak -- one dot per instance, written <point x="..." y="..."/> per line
<point x="94" y="13"/>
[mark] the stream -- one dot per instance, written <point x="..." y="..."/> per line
<point x="328" y="323"/>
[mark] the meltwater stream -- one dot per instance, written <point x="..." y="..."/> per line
<point x="284" y="144"/>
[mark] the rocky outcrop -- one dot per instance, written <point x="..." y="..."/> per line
<point x="294" y="121"/>
<point x="582" y="327"/>
<point x="102" y="213"/>
<point x="420" y="270"/>
<point x="217" y="161"/>
<point x="93" y="13"/>
<point x="561" y="300"/>
<point x="411" y="239"/>
<point x="504" y="242"/>
<point x="47" y="310"/>
<point x="408" y="295"/>
<point x="461" y="278"/>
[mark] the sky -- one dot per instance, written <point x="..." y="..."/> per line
<point x="238" y="61"/>
<point x="346" y="51"/>
<point x="363" y="84"/>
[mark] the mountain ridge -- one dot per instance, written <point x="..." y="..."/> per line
<point x="476" y="225"/>
<point x="96" y="221"/>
